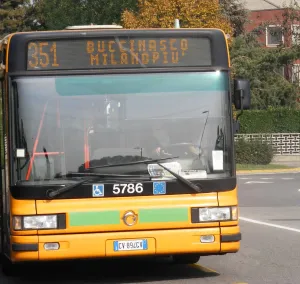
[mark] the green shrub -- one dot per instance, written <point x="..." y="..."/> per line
<point x="253" y="152"/>
<point x="279" y="120"/>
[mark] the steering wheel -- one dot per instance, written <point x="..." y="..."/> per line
<point x="187" y="151"/>
<point x="183" y="150"/>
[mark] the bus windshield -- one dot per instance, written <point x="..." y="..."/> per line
<point x="75" y="123"/>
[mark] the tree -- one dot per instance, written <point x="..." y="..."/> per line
<point x="270" y="69"/>
<point x="236" y="14"/>
<point x="263" y="67"/>
<point x="57" y="14"/>
<point x="12" y="16"/>
<point x="107" y="12"/>
<point x="191" y="13"/>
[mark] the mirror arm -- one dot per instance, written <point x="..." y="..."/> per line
<point x="236" y="121"/>
<point x="242" y="109"/>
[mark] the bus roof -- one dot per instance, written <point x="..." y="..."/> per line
<point x="93" y="27"/>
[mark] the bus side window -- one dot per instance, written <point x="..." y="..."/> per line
<point x="3" y="192"/>
<point x="1" y="125"/>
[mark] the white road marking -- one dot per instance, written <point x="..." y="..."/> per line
<point x="244" y="178"/>
<point x="257" y="181"/>
<point x="266" y="178"/>
<point x="287" y="178"/>
<point x="298" y="189"/>
<point x="269" y="224"/>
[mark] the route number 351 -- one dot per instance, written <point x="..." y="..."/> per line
<point x="130" y="188"/>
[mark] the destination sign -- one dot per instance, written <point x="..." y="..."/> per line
<point x="118" y="52"/>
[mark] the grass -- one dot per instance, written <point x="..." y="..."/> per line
<point x="261" y="167"/>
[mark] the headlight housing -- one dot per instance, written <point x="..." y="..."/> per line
<point x="214" y="214"/>
<point x="38" y="222"/>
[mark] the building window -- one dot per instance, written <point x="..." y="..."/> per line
<point x="274" y="35"/>
<point x="296" y="73"/>
<point x="295" y="34"/>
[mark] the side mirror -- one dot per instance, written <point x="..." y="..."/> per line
<point x="242" y="94"/>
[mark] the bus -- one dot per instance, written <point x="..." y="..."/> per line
<point x="118" y="143"/>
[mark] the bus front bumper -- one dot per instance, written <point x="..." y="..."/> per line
<point x="99" y="245"/>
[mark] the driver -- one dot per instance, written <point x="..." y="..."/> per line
<point x="156" y="139"/>
<point x="161" y="137"/>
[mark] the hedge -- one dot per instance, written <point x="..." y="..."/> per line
<point x="270" y="121"/>
<point x="253" y="152"/>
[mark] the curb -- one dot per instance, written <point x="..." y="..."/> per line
<point x="292" y="170"/>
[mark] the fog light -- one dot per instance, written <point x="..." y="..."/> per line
<point x="51" y="246"/>
<point x="207" y="239"/>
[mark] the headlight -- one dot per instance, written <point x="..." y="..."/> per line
<point x="214" y="214"/>
<point x="36" y="222"/>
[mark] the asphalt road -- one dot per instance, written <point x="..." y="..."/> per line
<point x="270" y="249"/>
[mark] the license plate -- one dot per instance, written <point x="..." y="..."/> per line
<point x="130" y="245"/>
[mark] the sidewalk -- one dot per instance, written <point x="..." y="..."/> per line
<point x="287" y="160"/>
<point x="294" y="167"/>
<point x="291" y="161"/>
<point x="291" y="170"/>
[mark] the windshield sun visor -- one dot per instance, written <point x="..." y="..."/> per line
<point x="131" y="84"/>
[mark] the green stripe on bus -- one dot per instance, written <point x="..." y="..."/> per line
<point x="152" y="215"/>
<point x="163" y="215"/>
<point x="94" y="218"/>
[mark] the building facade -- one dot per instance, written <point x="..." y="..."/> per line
<point x="276" y="24"/>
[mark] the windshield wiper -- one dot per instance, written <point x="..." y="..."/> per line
<point x="74" y="174"/>
<point x="148" y="161"/>
<point x="51" y="193"/>
<point x="178" y="177"/>
<point x="182" y="179"/>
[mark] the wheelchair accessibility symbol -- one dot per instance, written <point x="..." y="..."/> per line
<point x="98" y="190"/>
